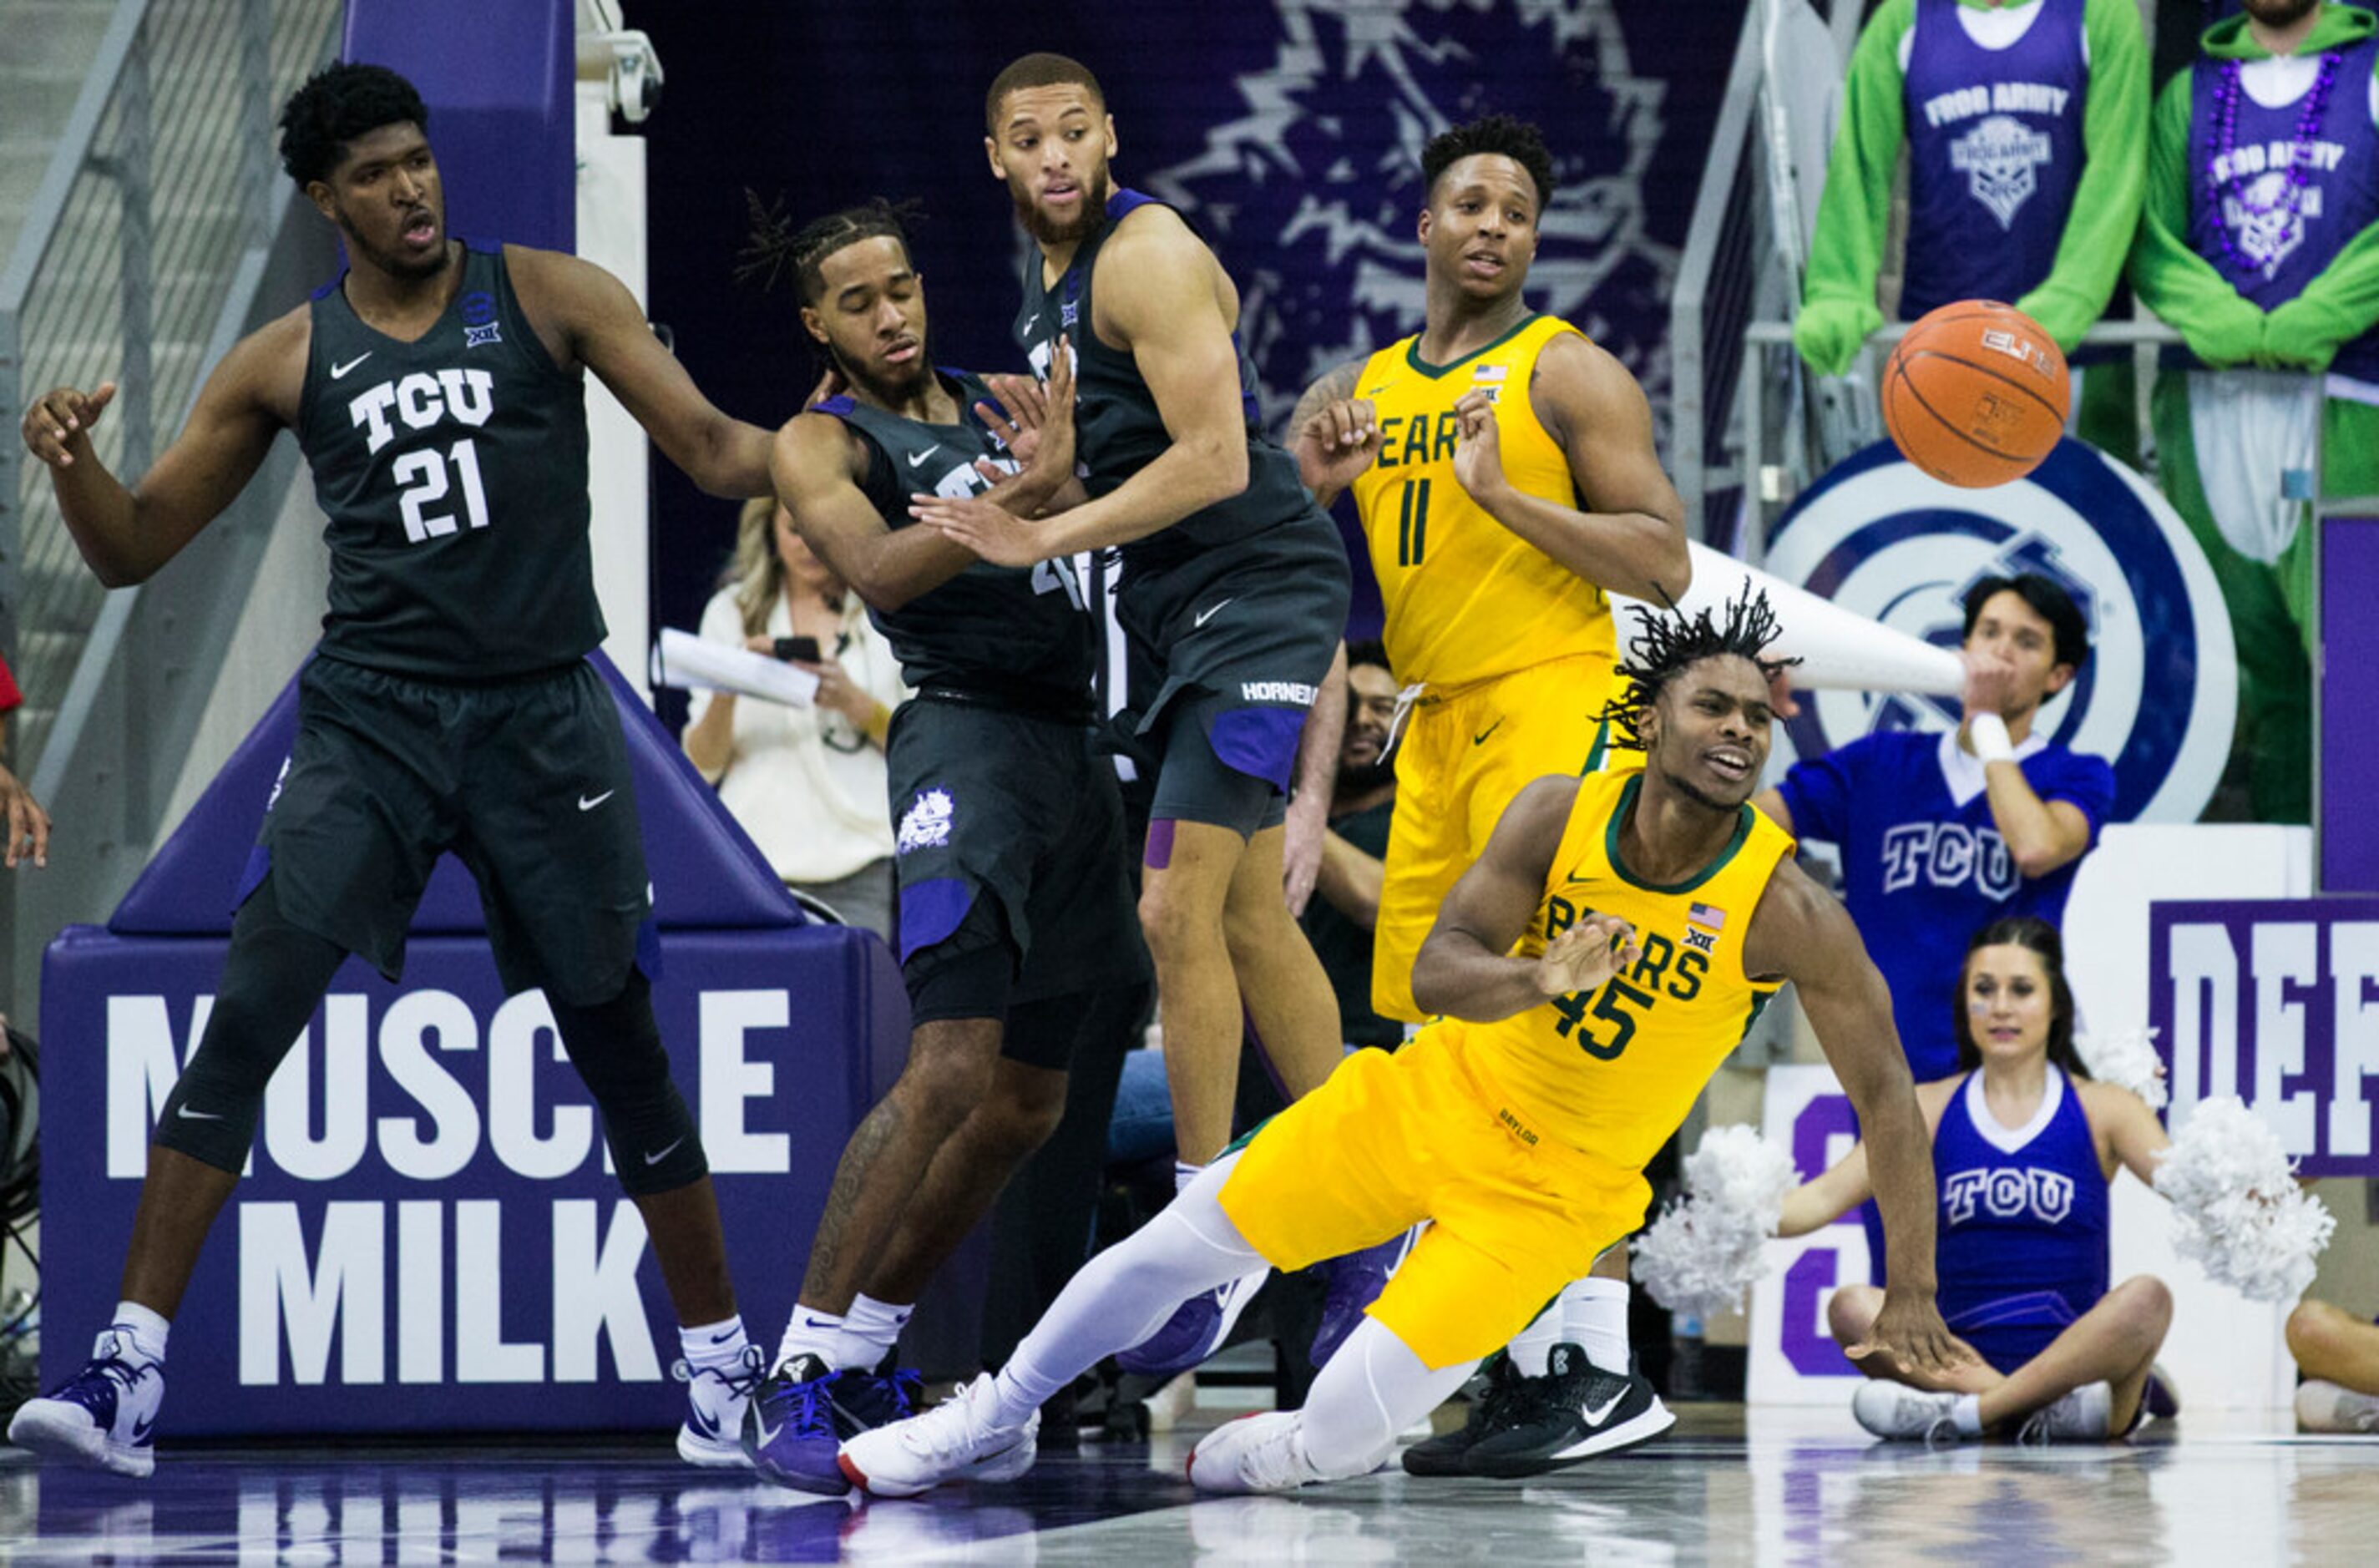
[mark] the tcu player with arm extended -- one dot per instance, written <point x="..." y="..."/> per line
<point x="1015" y="907"/>
<point x="1233" y="592"/>
<point x="437" y="392"/>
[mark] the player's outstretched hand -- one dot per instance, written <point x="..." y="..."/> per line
<point x="27" y="823"/>
<point x="1585" y="955"/>
<point x="60" y="422"/>
<point x="1337" y="444"/>
<point x="1477" y="447"/>
<point x="992" y="532"/>
<point x="1909" y="1330"/>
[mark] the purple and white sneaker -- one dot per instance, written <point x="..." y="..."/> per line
<point x="104" y="1416"/>
<point x="1196" y="1330"/>
<point x="802" y="1415"/>
<point x="1356" y="1281"/>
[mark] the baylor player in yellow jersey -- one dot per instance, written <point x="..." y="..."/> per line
<point x="1591" y="970"/>
<point x="1505" y="475"/>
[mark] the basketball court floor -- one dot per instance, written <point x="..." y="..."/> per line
<point x="1779" y="1486"/>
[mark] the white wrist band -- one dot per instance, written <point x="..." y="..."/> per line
<point x="1987" y="733"/>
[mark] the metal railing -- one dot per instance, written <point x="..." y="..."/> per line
<point x="159" y="198"/>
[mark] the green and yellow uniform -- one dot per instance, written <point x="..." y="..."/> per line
<point x="1524" y="1139"/>
<point x="1512" y="651"/>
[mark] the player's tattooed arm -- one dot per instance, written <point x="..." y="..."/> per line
<point x="599" y="324"/>
<point x="1465" y="969"/>
<point x="1628" y="536"/>
<point x="126" y="533"/>
<point x="1801" y="933"/>
<point x="817" y="463"/>
<point x="1333" y="435"/>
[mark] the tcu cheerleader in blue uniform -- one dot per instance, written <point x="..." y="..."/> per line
<point x="2025" y="1145"/>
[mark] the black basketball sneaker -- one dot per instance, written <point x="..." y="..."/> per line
<point x="1576" y="1411"/>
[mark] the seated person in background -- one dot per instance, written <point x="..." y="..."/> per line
<point x="2339" y="1354"/>
<point x="21" y="816"/>
<point x="1362" y="800"/>
<point x="1941" y="835"/>
<point x="2025" y="1145"/>
<point x="807" y="784"/>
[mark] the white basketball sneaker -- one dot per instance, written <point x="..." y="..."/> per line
<point x="104" y="1416"/>
<point x="2082" y="1415"/>
<point x="1896" y="1411"/>
<point x="957" y="1439"/>
<point x="2330" y="1408"/>
<point x="1255" y="1453"/>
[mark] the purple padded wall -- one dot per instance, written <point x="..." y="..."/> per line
<point x="498" y="80"/>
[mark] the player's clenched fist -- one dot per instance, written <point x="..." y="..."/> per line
<point x="61" y="418"/>
<point x="1585" y="955"/>
<point x="1337" y="444"/>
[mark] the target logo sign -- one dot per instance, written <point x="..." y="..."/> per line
<point x="2159" y="695"/>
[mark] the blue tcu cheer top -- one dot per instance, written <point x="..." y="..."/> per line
<point x="2021" y="1233"/>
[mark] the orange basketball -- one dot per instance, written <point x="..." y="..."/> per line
<point x="1976" y="393"/>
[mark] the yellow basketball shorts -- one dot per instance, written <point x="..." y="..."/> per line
<point x="1396" y="1137"/>
<point x="1462" y="758"/>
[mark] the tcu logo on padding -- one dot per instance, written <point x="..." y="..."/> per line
<point x="1877" y="535"/>
<point x="2006" y="1192"/>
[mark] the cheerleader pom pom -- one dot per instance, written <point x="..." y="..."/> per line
<point x="2237" y="1207"/>
<point x="1702" y="1254"/>
<point x="2127" y="1060"/>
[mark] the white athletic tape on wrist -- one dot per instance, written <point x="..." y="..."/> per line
<point x="1988" y="732"/>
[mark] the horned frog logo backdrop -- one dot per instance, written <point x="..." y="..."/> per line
<point x="1310" y="182"/>
<point x="2159" y="695"/>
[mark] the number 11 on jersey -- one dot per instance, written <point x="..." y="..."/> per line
<point x="1412" y="523"/>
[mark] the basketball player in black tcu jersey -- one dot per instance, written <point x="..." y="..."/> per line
<point x="1015" y="908"/>
<point x="437" y="394"/>
<point x="1234" y="588"/>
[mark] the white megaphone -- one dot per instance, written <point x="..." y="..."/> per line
<point x="1838" y="649"/>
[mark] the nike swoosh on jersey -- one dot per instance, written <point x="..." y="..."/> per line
<point x="919" y="461"/>
<point x="339" y="371"/>
<point x="199" y="1115"/>
<point x="586" y="804"/>
<point x="1481" y="739"/>
<point x="1209" y="613"/>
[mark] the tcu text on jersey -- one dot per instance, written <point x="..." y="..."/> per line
<point x="421" y="401"/>
<point x="2006" y="1192"/>
<point x="1948" y="854"/>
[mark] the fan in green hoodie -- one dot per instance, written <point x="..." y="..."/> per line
<point x="2025" y="126"/>
<point x="2260" y="244"/>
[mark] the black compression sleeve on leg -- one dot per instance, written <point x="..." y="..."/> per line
<point x="616" y="1046"/>
<point x="272" y="980"/>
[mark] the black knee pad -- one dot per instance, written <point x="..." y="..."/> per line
<point x="272" y="980"/>
<point x="616" y="1046"/>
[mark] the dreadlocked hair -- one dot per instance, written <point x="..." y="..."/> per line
<point x="775" y="246"/>
<point x="1665" y="644"/>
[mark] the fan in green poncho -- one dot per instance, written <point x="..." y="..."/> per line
<point x="2025" y="127"/>
<point x="2260" y="244"/>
